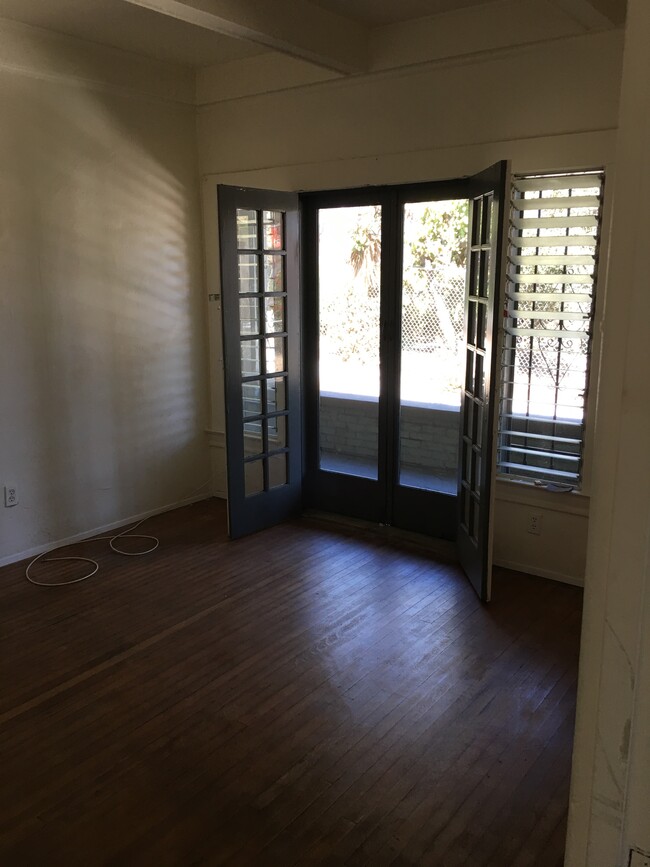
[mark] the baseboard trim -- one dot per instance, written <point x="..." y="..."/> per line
<point x="540" y="573"/>
<point x="105" y="528"/>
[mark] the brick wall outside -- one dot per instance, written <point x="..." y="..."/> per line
<point x="429" y="435"/>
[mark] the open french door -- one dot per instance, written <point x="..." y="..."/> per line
<point x="259" y="234"/>
<point x="483" y="303"/>
<point x="259" y="248"/>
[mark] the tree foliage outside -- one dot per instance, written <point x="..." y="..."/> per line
<point x="349" y="268"/>
<point x="365" y="255"/>
<point x="438" y="238"/>
<point x="433" y="285"/>
<point x="435" y="240"/>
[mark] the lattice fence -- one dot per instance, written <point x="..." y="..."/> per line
<point x="432" y="316"/>
<point x="433" y="310"/>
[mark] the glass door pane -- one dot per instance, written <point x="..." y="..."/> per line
<point x="434" y="247"/>
<point x="262" y="346"/>
<point x="349" y="265"/>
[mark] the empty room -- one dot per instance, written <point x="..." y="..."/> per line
<point x="324" y="424"/>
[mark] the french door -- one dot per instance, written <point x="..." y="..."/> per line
<point x="259" y="238"/>
<point x="382" y="434"/>
<point x="486" y="275"/>
<point x="386" y="437"/>
<point x="400" y="292"/>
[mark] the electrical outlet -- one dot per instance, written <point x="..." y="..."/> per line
<point x="11" y="495"/>
<point x="535" y="524"/>
<point x="639" y="858"/>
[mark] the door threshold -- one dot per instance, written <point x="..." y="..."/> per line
<point x="442" y="548"/>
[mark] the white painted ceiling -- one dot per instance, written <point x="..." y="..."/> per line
<point x="132" y="28"/>
<point x="377" y="12"/>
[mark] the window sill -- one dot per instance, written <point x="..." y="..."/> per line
<point x="528" y="494"/>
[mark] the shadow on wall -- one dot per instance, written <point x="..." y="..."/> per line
<point x="103" y="352"/>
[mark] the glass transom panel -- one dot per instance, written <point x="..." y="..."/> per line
<point x="273" y="230"/>
<point x="246" y="229"/>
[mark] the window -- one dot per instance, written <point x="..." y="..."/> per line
<point x="553" y="256"/>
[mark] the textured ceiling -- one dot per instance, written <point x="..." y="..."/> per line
<point x="132" y="28"/>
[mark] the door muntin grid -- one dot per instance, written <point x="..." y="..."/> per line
<point x="475" y="393"/>
<point x="263" y="338"/>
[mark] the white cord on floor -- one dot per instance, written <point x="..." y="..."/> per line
<point x="124" y="534"/>
<point x="127" y="533"/>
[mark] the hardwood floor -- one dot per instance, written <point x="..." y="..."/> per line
<point x="305" y="696"/>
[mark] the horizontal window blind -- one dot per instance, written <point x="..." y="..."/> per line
<point x="553" y="255"/>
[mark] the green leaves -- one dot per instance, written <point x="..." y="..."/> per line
<point x="442" y="236"/>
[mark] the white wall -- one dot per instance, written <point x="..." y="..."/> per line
<point x="500" y="97"/>
<point x="103" y="387"/>
<point x="610" y="794"/>
<point x="546" y="106"/>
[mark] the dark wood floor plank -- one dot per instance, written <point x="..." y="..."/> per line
<point x="310" y="695"/>
<point x="476" y="762"/>
<point x="331" y="793"/>
<point x="408" y="757"/>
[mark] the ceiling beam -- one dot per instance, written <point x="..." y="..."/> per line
<point x="595" y="14"/>
<point x="298" y="29"/>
